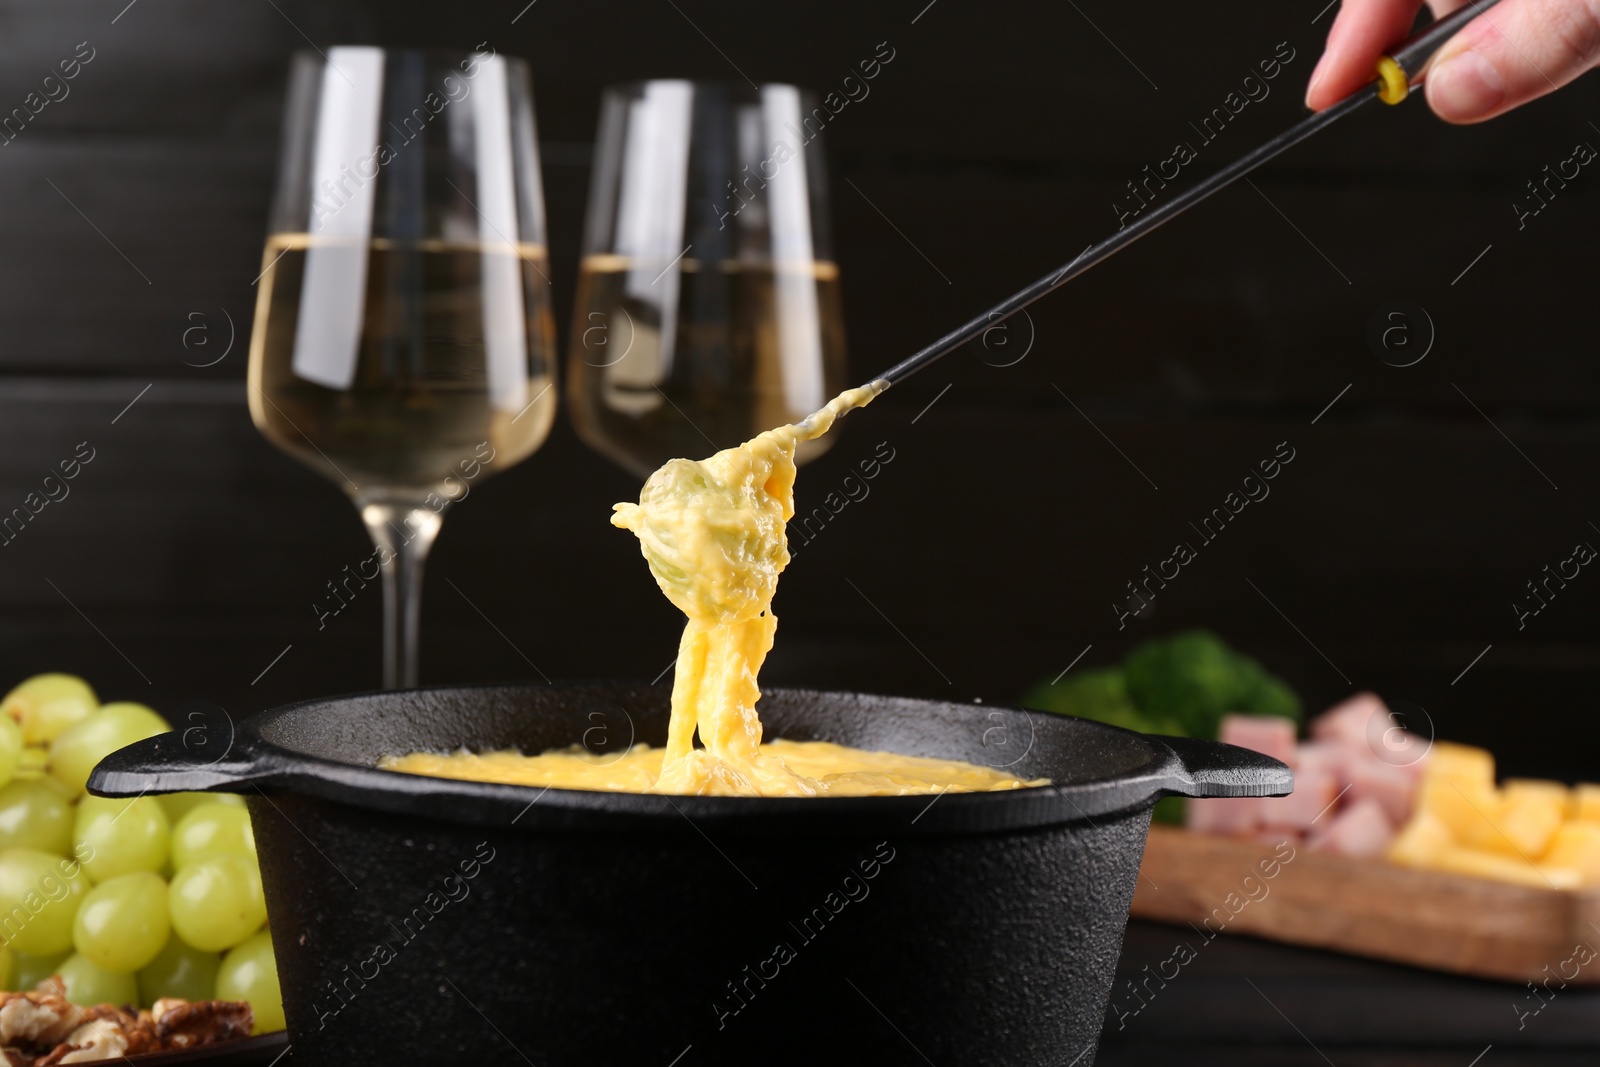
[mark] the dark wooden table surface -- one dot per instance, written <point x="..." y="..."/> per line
<point x="1244" y="1002"/>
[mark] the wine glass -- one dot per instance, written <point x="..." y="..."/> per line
<point x="403" y="342"/>
<point x="708" y="299"/>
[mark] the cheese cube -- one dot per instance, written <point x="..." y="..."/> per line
<point x="1584" y="803"/>
<point x="1576" y="845"/>
<point x="1522" y="825"/>
<point x="1556" y="792"/>
<point x="1421" y="841"/>
<point x="1503" y="868"/>
<point x="1460" y="763"/>
<point x="1466" y="807"/>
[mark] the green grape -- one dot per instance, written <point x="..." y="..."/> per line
<point x="123" y="922"/>
<point x="35" y="815"/>
<point x="88" y="985"/>
<point x="47" y="704"/>
<point x="39" y="898"/>
<point x="215" y="903"/>
<point x="10" y="748"/>
<point x="212" y="830"/>
<point x="31" y="970"/>
<point x="77" y="749"/>
<point x="179" y="971"/>
<point x="180" y="804"/>
<point x="250" y="972"/>
<point x="118" y="836"/>
<point x="34" y="764"/>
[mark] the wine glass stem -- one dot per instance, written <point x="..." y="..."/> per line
<point x="403" y="533"/>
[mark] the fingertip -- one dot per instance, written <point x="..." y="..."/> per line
<point x="1316" y="99"/>
<point x="1465" y="87"/>
<point x="1333" y="80"/>
<point x="1360" y="33"/>
<point x="1342" y="70"/>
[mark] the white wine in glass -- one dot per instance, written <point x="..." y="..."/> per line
<point x="419" y="402"/>
<point x="403" y="341"/>
<point x="708" y="299"/>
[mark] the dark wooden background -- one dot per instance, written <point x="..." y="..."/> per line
<point x="189" y="552"/>
<point x="988" y="554"/>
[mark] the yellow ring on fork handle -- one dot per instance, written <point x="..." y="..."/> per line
<point x="1392" y="82"/>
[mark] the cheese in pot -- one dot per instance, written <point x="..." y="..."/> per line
<point x="712" y="532"/>
<point x="828" y="769"/>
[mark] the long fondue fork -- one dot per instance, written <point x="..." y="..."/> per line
<point x="1396" y="73"/>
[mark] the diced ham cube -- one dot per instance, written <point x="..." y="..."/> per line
<point x="1229" y="816"/>
<point x="1351" y="721"/>
<point x="1315" y="788"/>
<point x="1331" y="757"/>
<point x="1271" y="735"/>
<point x="1364" y="723"/>
<point x="1402" y="750"/>
<point x="1359" y="829"/>
<point x="1394" y="788"/>
<point x="1407" y="751"/>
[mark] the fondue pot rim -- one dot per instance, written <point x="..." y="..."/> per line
<point x="253" y="764"/>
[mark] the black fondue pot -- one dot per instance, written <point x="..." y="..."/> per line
<point x="421" y="920"/>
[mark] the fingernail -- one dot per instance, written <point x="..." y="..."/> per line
<point x="1316" y="76"/>
<point x="1465" y="87"/>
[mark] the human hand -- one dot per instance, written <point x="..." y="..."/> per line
<point x="1515" y="52"/>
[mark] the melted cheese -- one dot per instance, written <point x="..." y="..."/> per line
<point x="832" y="770"/>
<point x="712" y="533"/>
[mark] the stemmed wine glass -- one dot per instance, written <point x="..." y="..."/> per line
<point x="403" y="342"/>
<point x="708" y="299"/>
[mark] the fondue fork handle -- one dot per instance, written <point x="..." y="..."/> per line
<point x="1405" y="63"/>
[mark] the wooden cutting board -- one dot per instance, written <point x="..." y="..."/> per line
<point x="1448" y="922"/>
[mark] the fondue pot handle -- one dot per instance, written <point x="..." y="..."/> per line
<point x="192" y="760"/>
<point x="1203" y="768"/>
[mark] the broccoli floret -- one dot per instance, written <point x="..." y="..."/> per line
<point x="1088" y="694"/>
<point x="1195" y="678"/>
<point x="1273" y="697"/>
<point x="1182" y="685"/>
<point x="1101" y="695"/>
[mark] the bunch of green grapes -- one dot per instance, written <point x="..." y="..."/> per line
<point x="126" y="900"/>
